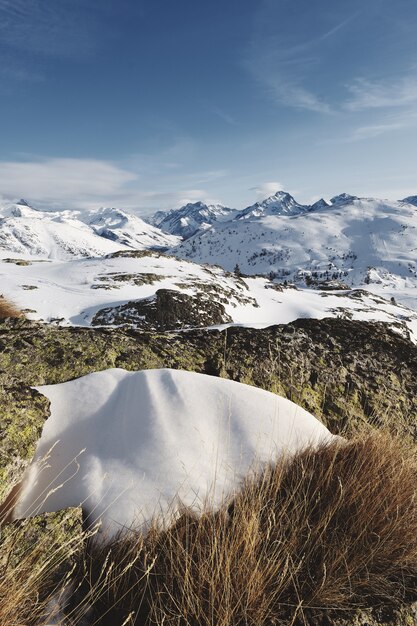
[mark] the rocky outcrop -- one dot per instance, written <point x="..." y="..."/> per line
<point x="166" y="310"/>
<point x="344" y="372"/>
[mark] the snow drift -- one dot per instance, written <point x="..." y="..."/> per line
<point x="131" y="445"/>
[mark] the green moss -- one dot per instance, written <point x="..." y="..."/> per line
<point x="344" y="372"/>
<point x="46" y="547"/>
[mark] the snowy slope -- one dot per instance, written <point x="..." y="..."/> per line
<point x="66" y="234"/>
<point x="131" y="445"/>
<point x="54" y="235"/>
<point x="128" y="229"/>
<point x="191" y="218"/>
<point x="74" y="291"/>
<point x="360" y="241"/>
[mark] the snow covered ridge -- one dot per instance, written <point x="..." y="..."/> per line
<point x="132" y="445"/>
<point x="68" y="234"/>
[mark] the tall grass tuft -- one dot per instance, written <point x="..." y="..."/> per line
<point x="332" y="529"/>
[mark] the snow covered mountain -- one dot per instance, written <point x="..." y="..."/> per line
<point x="67" y="234"/>
<point x="128" y="229"/>
<point x="126" y="288"/>
<point x="410" y="200"/>
<point x="191" y="218"/>
<point x="281" y="203"/>
<point x="54" y="235"/>
<point x="357" y="241"/>
<point x="354" y="257"/>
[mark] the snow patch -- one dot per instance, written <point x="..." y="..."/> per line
<point x="131" y="445"/>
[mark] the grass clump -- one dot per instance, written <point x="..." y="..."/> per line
<point x="8" y="309"/>
<point x="320" y="534"/>
<point x="332" y="529"/>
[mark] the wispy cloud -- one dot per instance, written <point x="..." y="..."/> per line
<point x="368" y="94"/>
<point x="48" y="28"/>
<point x="374" y="130"/>
<point x="371" y="127"/>
<point x="264" y="190"/>
<point x="285" y="69"/>
<point x="224" y="115"/>
<point x="284" y="84"/>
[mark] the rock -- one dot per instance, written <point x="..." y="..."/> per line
<point x="22" y="415"/>
<point x="344" y="372"/>
<point x="405" y="615"/>
<point x="166" y="310"/>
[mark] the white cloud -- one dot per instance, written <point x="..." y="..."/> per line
<point x="264" y="190"/>
<point x="373" y="130"/>
<point x="367" y="94"/>
<point x="175" y="199"/>
<point x="88" y="183"/>
<point x="72" y="182"/>
<point x="295" y="95"/>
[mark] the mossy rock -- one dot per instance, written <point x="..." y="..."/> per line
<point x="344" y="372"/>
<point x="405" y="615"/>
<point x="22" y="415"/>
<point x="51" y="543"/>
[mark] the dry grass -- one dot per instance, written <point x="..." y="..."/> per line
<point x="332" y="529"/>
<point x="8" y="309"/>
<point x="36" y="572"/>
<point x="329" y="530"/>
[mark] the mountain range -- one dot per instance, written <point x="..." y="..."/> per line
<point x="278" y="259"/>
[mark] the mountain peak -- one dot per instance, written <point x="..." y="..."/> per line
<point x="280" y="203"/>
<point x="23" y="202"/>
<point x="191" y="218"/>
<point x="343" y="198"/>
<point x="410" y="200"/>
<point x="320" y="204"/>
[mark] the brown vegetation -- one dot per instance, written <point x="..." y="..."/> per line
<point x="36" y="565"/>
<point x="8" y="309"/>
<point x="330" y="530"/>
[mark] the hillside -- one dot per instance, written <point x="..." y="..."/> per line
<point x="153" y="291"/>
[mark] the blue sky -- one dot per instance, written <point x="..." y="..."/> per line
<point x="148" y="104"/>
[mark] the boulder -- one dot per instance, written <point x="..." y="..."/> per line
<point x="166" y="310"/>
